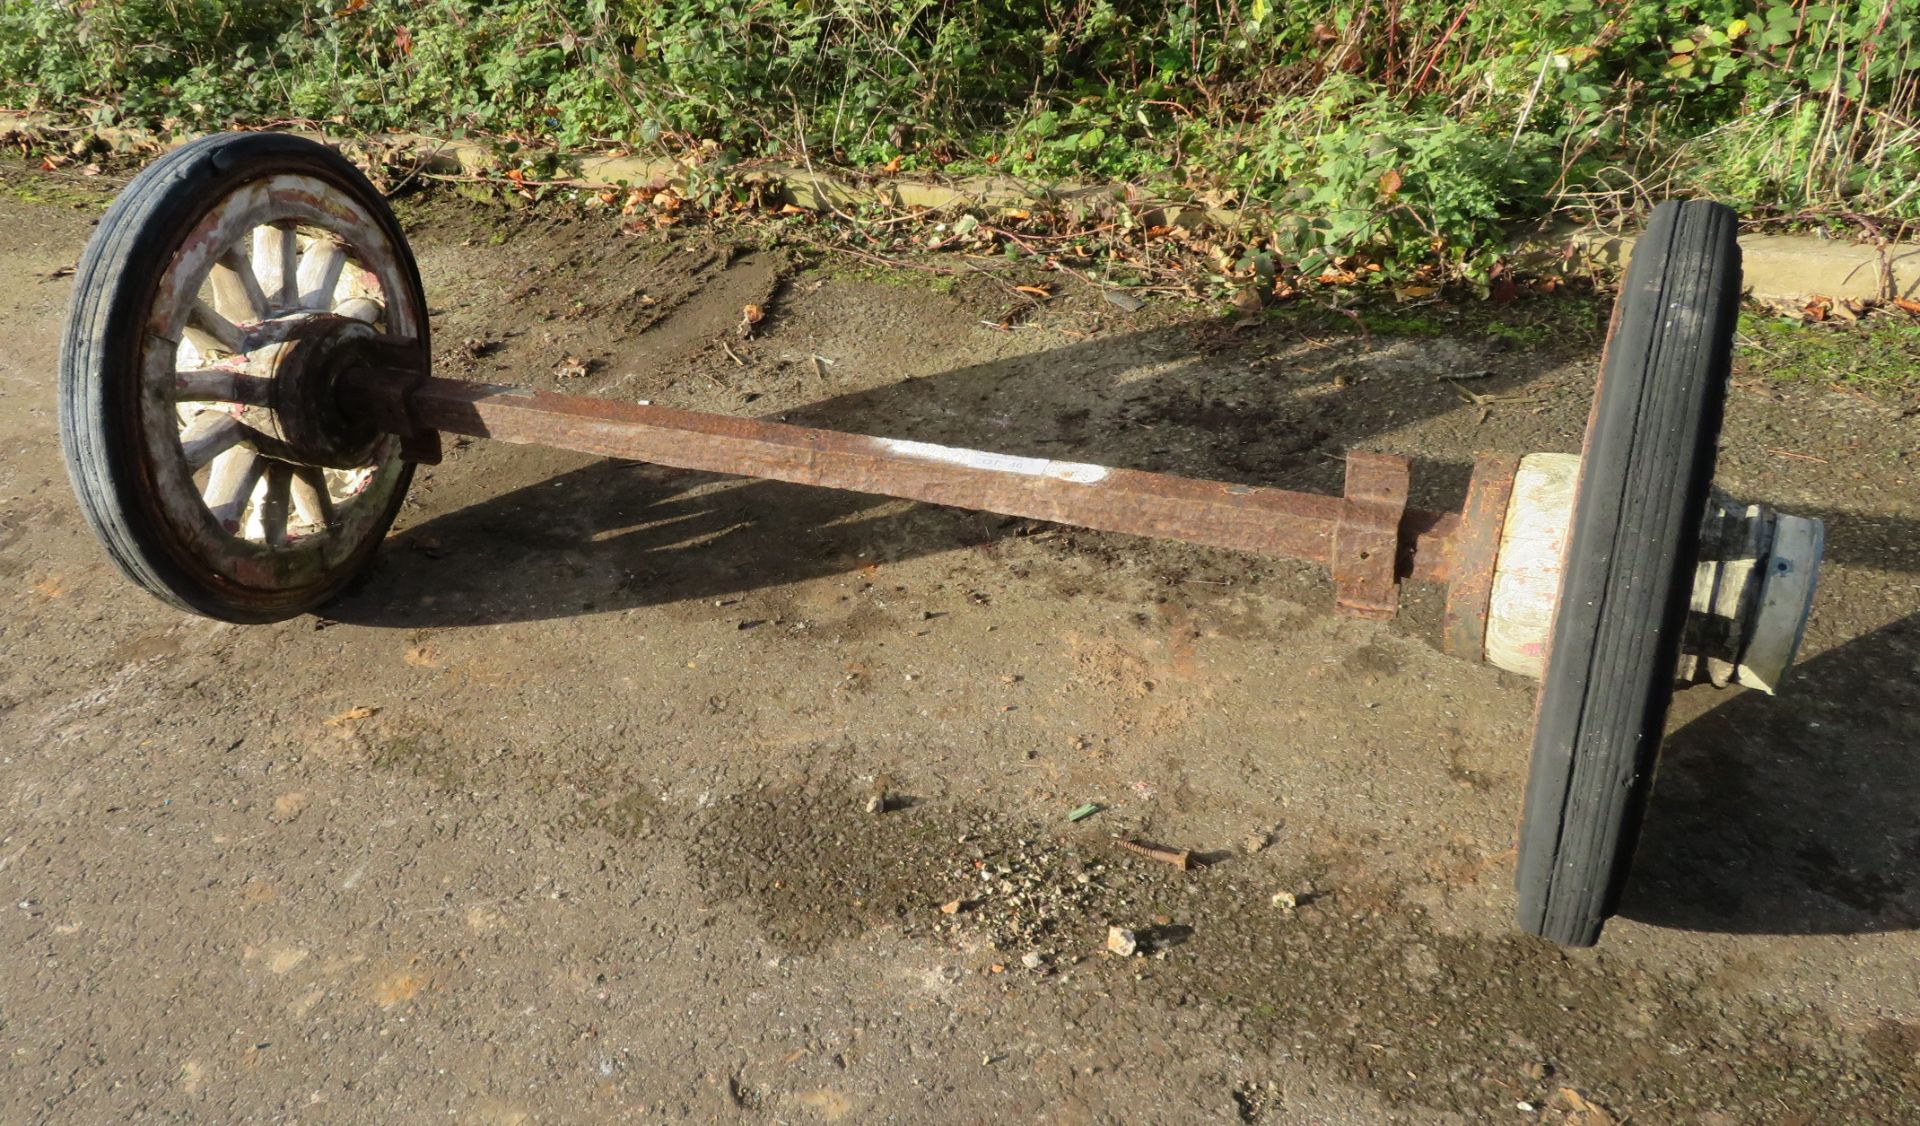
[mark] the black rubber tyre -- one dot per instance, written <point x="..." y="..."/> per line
<point x="115" y="286"/>
<point x="1645" y="472"/>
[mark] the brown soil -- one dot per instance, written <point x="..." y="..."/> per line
<point x="559" y="814"/>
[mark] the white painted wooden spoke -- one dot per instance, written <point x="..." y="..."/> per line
<point x="231" y="483"/>
<point x="236" y="291"/>
<point x="202" y="342"/>
<point x="210" y="434"/>
<point x="214" y="385"/>
<point x="361" y="309"/>
<point x="270" y="256"/>
<point x="320" y="269"/>
<point x="274" y="503"/>
<point x="188" y="357"/>
<point x="276" y="262"/>
<point x="217" y="333"/>
<point x="311" y="502"/>
<point x="348" y="483"/>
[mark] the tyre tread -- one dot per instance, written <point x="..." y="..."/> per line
<point x="1644" y="477"/>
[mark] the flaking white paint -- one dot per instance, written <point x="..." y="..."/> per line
<point x="1077" y="472"/>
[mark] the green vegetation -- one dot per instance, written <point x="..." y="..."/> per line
<point x="872" y="273"/>
<point x="413" y="755"/>
<point x="1410" y="131"/>
<point x="1530" y="335"/>
<point x="1879" y="355"/>
<point x="1566" y="322"/>
<point x="41" y="189"/>
<point x="1389" y="323"/>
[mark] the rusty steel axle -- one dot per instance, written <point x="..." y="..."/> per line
<point x="1368" y="538"/>
<point x="247" y="384"/>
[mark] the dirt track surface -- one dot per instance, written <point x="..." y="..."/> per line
<point x="560" y="815"/>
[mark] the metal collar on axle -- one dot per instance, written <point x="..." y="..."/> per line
<point x="1752" y="587"/>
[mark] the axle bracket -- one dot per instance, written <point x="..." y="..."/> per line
<point x="1366" y="540"/>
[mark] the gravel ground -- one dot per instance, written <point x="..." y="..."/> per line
<point x="561" y="814"/>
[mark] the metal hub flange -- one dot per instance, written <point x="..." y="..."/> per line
<point x="1752" y="590"/>
<point x="302" y="373"/>
<point x="1526" y="570"/>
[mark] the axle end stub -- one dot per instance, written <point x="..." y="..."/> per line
<point x="377" y="384"/>
<point x="1752" y="593"/>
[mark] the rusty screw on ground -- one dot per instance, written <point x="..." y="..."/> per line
<point x="1179" y="858"/>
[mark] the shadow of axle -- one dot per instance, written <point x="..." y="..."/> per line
<point x="615" y="535"/>
<point x="1770" y="815"/>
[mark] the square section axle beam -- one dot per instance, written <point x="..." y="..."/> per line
<point x="1274" y="522"/>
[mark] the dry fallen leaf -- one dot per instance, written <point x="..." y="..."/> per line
<point x="1907" y="306"/>
<point x="750" y="315"/>
<point x="1035" y="290"/>
<point x="1247" y="303"/>
<point x="570" y="367"/>
<point x="1414" y="292"/>
<point x="951" y="907"/>
<point x="349" y="716"/>
<point x="1581" y="1111"/>
<point x="397" y="989"/>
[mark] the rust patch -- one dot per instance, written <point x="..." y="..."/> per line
<point x="1216" y="513"/>
<point x="1366" y="544"/>
<point x="1475" y="548"/>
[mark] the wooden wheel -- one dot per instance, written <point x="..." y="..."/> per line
<point x="217" y="266"/>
